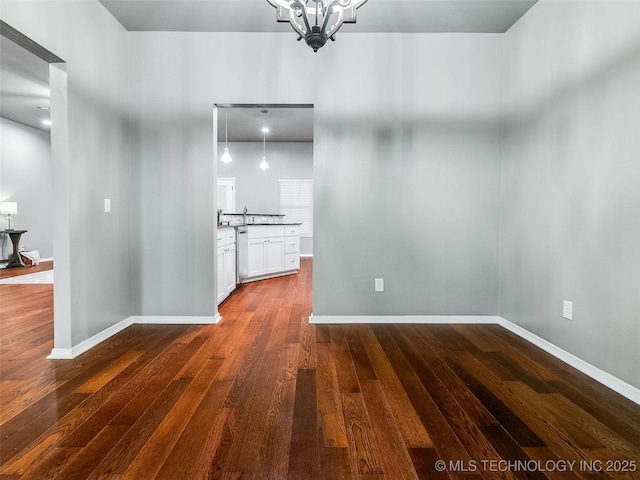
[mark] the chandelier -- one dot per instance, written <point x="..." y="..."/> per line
<point x="316" y="20"/>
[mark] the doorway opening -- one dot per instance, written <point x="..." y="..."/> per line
<point x="34" y="99"/>
<point x="264" y="174"/>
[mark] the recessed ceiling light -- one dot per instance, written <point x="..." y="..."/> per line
<point x="43" y="108"/>
<point x="46" y="122"/>
<point x="265" y="130"/>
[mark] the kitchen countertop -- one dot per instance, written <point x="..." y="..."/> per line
<point x="255" y="214"/>
<point x="259" y="224"/>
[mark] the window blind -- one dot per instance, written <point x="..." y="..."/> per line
<point x="296" y="202"/>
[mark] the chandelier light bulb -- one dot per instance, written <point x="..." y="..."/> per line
<point x="264" y="165"/>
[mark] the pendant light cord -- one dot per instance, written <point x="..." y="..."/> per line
<point x="226" y="115"/>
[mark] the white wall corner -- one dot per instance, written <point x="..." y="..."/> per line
<point x="73" y="352"/>
<point x="608" y="380"/>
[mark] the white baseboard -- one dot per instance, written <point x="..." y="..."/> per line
<point x="608" y="380"/>
<point x="170" y="320"/>
<point x="425" y="319"/>
<point x="82" y="347"/>
<point x="306" y="255"/>
<point x="73" y="352"/>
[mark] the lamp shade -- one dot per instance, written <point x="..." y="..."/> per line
<point x="8" y="208"/>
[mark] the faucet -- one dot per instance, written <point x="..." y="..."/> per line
<point x="244" y="215"/>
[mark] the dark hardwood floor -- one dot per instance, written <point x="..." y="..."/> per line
<point x="265" y="395"/>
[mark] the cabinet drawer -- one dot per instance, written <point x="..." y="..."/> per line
<point x="265" y="231"/>
<point x="226" y="236"/>
<point x="291" y="244"/>
<point x="292" y="230"/>
<point x="229" y="236"/>
<point x="291" y="261"/>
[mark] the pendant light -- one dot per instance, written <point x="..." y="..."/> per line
<point x="264" y="165"/>
<point x="226" y="156"/>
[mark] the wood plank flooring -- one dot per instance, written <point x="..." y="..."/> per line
<point x="265" y="395"/>
<point x="13" y="272"/>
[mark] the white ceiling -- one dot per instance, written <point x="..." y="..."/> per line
<point x="24" y="79"/>
<point x="24" y="85"/>
<point x="285" y="124"/>
<point x="486" y="16"/>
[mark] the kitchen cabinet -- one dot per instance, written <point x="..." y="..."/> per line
<point x="265" y="256"/>
<point x="267" y="251"/>
<point x="292" y="247"/>
<point x="226" y="255"/>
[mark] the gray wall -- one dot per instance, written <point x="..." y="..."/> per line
<point x="407" y="151"/>
<point x="94" y="45"/>
<point x="26" y="177"/>
<point x="571" y="200"/>
<point x="258" y="189"/>
<point x="415" y="203"/>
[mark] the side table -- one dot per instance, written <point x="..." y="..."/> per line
<point x="15" y="260"/>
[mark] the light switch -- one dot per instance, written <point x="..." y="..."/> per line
<point x="107" y="205"/>
<point x="379" y="284"/>
<point x="567" y="309"/>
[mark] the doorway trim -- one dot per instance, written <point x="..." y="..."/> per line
<point x="60" y="160"/>
<point x="229" y="184"/>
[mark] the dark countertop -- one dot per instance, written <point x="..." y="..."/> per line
<point x="259" y="225"/>
<point x="255" y="214"/>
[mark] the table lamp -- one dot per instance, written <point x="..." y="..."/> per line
<point x="8" y="209"/>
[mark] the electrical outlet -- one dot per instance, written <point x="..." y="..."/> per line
<point x="567" y="309"/>
<point x="23" y="248"/>
<point x="379" y="284"/>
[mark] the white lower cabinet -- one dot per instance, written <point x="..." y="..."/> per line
<point x="292" y="261"/>
<point x="255" y="263"/>
<point x="264" y="256"/>
<point x="226" y="277"/>
<point x="220" y="276"/>
<point x="292" y="247"/>
<point x="265" y="251"/>
<point x="230" y="276"/>
<point x="274" y="255"/>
